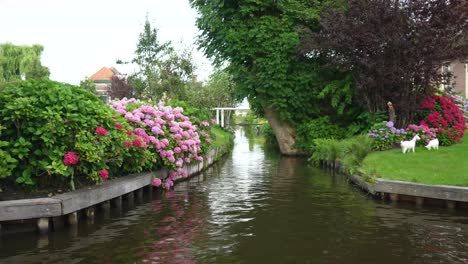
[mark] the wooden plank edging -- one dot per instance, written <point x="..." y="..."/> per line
<point x="89" y="196"/>
<point x="443" y="192"/>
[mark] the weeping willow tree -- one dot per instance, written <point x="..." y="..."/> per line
<point x="21" y="63"/>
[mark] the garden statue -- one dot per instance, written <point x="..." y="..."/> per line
<point x="410" y="144"/>
<point x="433" y="144"/>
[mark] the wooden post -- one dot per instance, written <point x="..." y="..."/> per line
<point x="105" y="206"/>
<point x="90" y="215"/>
<point x="139" y="195"/>
<point x="43" y="225"/>
<point x="73" y="218"/>
<point x="57" y="222"/>
<point x="419" y="200"/>
<point x="450" y="204"/>
<point x="117" y="202"/>
<point x="394" y="197"/>
<point x="391" y="112"/>
<point x="217" y="116"/>
<point x="130" y="199"/>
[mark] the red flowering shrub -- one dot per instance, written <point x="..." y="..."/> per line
<point x="443" y="114"/>
<point x="70" y="159"/>
<point x="101" y="131"/>
<point x="104" y="174"/>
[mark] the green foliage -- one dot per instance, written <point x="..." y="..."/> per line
<point x="88" y="85"/>
<point x="364" y="121"/>
<point x="43" y="120"/>
<point x="355" y="150"/>
<point x="259" y="40"/>
<point x="326" y="149"/>
<point x="21" y="62"/>
<point x="196" y="114"/>
<point x="163" y="72"/>
<point x="317" y="128"/>
<point x="268" y="133"/>
<point x="351" y="151"/>
<point x="219" y="91"/>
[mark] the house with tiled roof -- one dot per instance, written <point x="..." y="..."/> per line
<point x="103" y="81"/>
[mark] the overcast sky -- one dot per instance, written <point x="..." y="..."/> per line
<point x="80" y="37"/>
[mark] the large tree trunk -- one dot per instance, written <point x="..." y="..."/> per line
<point x="284" y="132"/>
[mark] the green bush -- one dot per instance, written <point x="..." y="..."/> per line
<point x="355" y="149"/>
<point x="317" y="128"/>
<point x="268" y="133"/>
<point x="43" y="120"/>
<point x="351" y="151"/>
<point x="325" y="149"/>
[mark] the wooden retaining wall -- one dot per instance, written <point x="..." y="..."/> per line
<point x="418" y="193"/>
<point x="64" y="208"/>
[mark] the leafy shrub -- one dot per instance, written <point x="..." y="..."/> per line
<point x="326" y="149"/>
<point x="44" y="120"/>
<point x="441" y="113"/>
<point x="364" y="121"/>
<point x="385" y="135"/>
<point x="268" y="133"/>
<point x="350" y="151"/>
<point x="317" y="128"/>
<point x="355" y="149"/>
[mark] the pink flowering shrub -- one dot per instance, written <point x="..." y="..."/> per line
<point x="59" y="133"/>
<point x="425" y="133"/>
<point x="442" y="114"/>
<point x="167" y="132"/>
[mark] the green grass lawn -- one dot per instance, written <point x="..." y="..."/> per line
<point x="447" y="166"/>
<point x="222" y="137"/>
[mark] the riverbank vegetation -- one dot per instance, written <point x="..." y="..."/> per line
<point x="324" y="69"/>
<point x="55" y="135"/>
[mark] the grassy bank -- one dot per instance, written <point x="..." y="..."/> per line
<point x="447" y="166"/>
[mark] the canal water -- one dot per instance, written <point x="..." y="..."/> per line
<point x="255" y="207"/>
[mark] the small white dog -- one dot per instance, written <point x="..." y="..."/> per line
<point x="433" y="144"/>
<point x="409" y="145"/>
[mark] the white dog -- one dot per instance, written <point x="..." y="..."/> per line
<point x="409" y="145"/>
<point x="433" y="144"/>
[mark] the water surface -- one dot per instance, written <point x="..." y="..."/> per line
<point x="255" y="207"/>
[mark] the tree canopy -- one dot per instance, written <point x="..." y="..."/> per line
<point x="21" y="62"/>
<point x="394" y="49"/>
<point x="258" y="40"/>
<point x="162" y="70"/>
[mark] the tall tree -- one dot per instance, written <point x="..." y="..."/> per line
<point x="21" y="62"/>
<point x="219" y="91"/>
<point x="162" y="70"/>
<point x="258" y="40"/>
<point x="393" y="48"/>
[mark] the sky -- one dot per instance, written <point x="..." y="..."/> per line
<point x="82" y="36"/>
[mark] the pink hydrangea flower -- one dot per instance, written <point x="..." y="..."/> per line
<point x="156" y="182"/>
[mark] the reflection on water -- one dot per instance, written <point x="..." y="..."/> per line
<point x="256" y="207"/>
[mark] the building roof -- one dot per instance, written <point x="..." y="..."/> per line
<point x="104" y="74"/>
